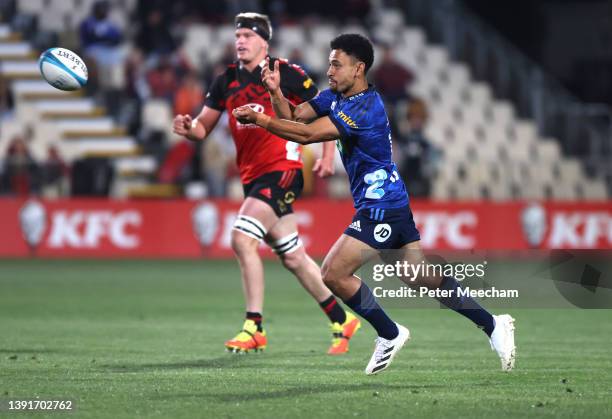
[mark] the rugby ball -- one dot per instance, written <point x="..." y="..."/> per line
<point x="63" y="69"/>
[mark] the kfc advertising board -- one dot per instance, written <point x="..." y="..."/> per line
<point x="189" y="229"/>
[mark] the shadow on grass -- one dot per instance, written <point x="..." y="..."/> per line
<point x="230" y="361"/>
<point x="303" y="390"/>
<point x="28" y="351"/>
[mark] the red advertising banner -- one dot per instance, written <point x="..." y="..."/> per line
<point x="189" y="229"/>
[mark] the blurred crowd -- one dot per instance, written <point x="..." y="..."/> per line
<point x="156" y="68"/>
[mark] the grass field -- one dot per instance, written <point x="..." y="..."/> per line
<point x="145" y="339"/>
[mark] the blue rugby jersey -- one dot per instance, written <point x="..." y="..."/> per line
<point x="365" y="147"/>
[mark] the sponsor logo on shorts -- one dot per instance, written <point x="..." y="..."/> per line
<point x="382" y="232"/>
<point x="267" y="192"/>
<point x="356" y="225"/>
<point x="289" y="197"/>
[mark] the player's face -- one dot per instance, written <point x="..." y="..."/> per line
<point x="249" y="46"/>
<point x="342" y="72"/>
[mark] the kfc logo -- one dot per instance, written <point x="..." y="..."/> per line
<point x="87" y="229"/>
<point x="205" y="222"/>
<point x="581" y="230"/>
<point x="456" y="229"/>
<point x="533" y="223"/>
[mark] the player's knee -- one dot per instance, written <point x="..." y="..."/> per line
<point x="329" y="276"/>
<point x="247" y="233"/>
<point x="243" y="244"/>
<point x="290" y="250"/>
<point x="292" y="261"/>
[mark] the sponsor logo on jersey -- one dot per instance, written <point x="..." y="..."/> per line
<point x="259" y="108"/>
<point x="382" y="232"/>
<point x="256" y="107"/>
<point x="347" y="119"/>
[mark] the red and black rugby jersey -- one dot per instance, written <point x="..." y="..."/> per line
<point x="259" y="151"/>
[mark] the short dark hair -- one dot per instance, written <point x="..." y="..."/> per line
<point x="355" y="45"/>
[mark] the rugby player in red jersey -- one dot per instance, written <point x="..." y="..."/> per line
<point x="271" y="174"/>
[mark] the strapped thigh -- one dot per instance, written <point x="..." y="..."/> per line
<point x="250" y="226"/>
<point x="287" y="244"/>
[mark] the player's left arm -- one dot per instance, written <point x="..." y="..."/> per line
<point x="324" y="166"/>
<point x="318" y="131"/>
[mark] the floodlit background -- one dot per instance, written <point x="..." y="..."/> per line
<point x="474" y="116"/>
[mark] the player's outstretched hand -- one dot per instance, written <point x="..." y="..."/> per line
<point x="324" y="167"/>
<point x="182" y="125"/>
<point x="245" y="115"/>
<point x="270" y="78"/>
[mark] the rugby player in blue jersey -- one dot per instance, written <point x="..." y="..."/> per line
<point x="353" y="112"/>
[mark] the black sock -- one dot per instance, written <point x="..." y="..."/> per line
<point x="333" y="310"/>
<point x="466" y="306"/>
<point x="364" y="303"/>
<point x="256" y="317"/>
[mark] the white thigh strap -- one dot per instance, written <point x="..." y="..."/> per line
<point x="250" y="226"/>
<point x="287" y="244"/>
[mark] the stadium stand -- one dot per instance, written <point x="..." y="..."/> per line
<point x="488" y="152"/>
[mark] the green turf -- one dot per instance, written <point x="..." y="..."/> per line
<point x="144" y="338"/>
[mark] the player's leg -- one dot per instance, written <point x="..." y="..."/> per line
<point x="339" y="267"/>
<point x="285" y="242"/>
<point x="500" y="329"/>
<point x="254" y="219"/>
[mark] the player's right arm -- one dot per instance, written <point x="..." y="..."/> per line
<point x="196" y="129"/>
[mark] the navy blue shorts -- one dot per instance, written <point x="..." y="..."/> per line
<point x="384" y="229"/>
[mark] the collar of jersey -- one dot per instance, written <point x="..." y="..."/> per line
<point x="260" y="65"/>
<point x="370" y="87"/>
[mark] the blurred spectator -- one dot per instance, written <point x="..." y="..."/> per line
<point x="228" y="57"/>
<point x="21" y="174"/>
<point x="176" y="167"/>
<point x="154" y="36"/>
<point x="296" y="57"/>
<point x="55" y="173"/>
<point x="217" y="159"/>
<point x="7" y="10"/>
<point x="135" y="75"/>
<point x="92" y="176"/>
<point x="229" y="54"/>
<point x="233" y="7"/>
<point x="391" y="78"/>
<point x="100" y="40"/>
<point x="416" y="155"/>
<point x="190" y="96"/>
<point x="6" y="98"/>
<point x="163" y="80"/>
